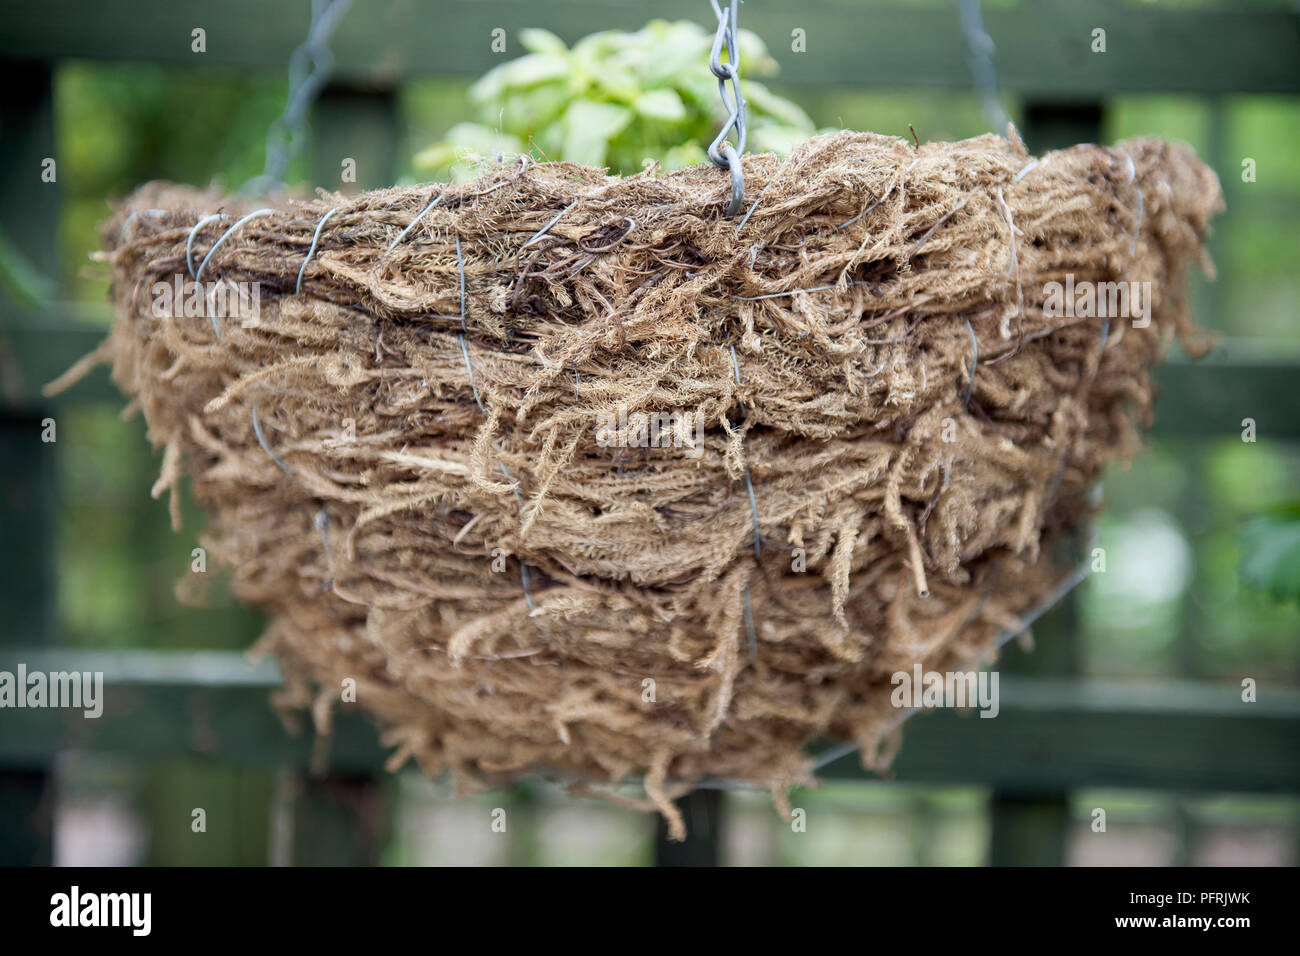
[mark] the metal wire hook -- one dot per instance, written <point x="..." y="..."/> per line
<point x="189" y="242"/>
<point x="226" y="235"/>
<point x="737" y="179"/>
<point x="721" y="153"/>
<point x="297" y="287"/>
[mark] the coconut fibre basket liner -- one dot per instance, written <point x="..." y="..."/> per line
<point x="425" y="454"/>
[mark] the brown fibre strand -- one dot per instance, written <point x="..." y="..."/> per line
<point x="512" y="592"/>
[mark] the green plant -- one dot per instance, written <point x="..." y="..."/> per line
<point x="615" y="99"/>
<point x="1270" y="545"/>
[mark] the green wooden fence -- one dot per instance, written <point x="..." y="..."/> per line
<point x="1055" y="734"/>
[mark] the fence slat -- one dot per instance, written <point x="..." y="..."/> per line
<point x="29" y="220"/>
<point x="703" y="812"/>
<point x="360" y="125"/>
<point x="1043" y="48"/>
<point x="1051" y="734"/>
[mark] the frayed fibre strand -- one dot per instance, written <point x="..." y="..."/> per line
<point x="402" y="466"/>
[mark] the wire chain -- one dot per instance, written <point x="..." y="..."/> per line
<point x="722" y="153"/>
<point x="309" y="69"/>
<point x="981" y="49"/>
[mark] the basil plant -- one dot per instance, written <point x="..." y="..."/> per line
<point x="616" y="100"/>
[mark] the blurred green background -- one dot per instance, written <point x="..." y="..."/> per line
<point x="1171" y="603"/>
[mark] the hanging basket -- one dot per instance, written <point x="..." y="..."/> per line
<point x="572" y="474"/>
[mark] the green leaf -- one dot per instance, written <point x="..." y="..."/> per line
<point x="663" y="105"/>
<point x="754" y="58"/>
<point x="1271" y="553"/>
<point x="588" y="128"/>
<point x="521" y="74"/>
<point x="537" y="40"/>
<point x="592" y="52"/>
<point x="687" y="154"/>
<point x="523" y="113"/>
<point x="774" y="138"/>
<point x="673" y="51"/>
<point x="767" y="103"/>
<point x="618" y="83"/>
